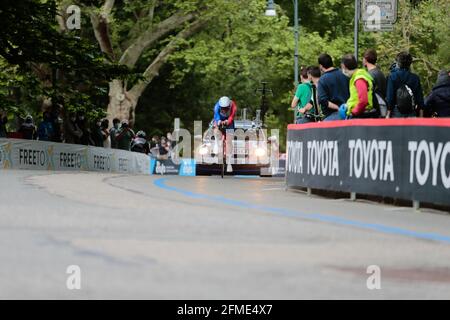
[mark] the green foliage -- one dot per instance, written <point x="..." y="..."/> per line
<point x="11" y="80"/>
<point x="38" y="62"/>
<point x="238" y="48"/>
<point x="243" y="47"/>
<point x="423" y="30"/>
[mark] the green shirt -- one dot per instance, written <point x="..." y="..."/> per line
<point x="303" y="95"/>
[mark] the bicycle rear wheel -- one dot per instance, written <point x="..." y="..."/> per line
<point x="223" y="159"/>
<point x="223" y="169"/>
<point x="224" y="156"/>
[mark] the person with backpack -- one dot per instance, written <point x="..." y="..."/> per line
<point x="301" y="103"/>
<point x="379" y="80"/>
<point x="404" y="95"/>
<point x="437" y="104"/>
<point x="360" y="104"/>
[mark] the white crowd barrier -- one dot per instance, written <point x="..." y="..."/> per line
<point x="42" y="155"/>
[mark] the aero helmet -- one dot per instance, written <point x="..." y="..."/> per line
<point x="225" y="102"/>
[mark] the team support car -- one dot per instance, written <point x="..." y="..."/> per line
<point x="244" y="150"/>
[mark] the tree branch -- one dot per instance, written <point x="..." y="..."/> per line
<point x="428" y="64"/>
<point x="135" y="50"/>
<point x="153" y="69"/>
<point x="107" y="7"/>
<point x="101" y="28"/>
<point x="137" y="27"/>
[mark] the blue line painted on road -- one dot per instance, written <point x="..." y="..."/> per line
<point x="247" y="177"/>
<point x="161" y="183"/>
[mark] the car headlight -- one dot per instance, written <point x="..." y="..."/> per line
<point x="260" y="152"/>
<point x="203" y="150"/>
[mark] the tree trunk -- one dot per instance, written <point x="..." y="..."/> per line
<point x="122" y="104"/>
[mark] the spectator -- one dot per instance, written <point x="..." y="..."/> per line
<point x="379" y="80"/>
<point x="154" y="146"/>
<point x="85" y="138"/>
<point x="369" y="62"/>
<point x="57" y="123"/>
<point x="360" y="104"/>
<point x="314" y="73"/>
<point x="333" y="88"/>
<point x="154" y="142"/>
<point x="392" y="68"/>
<point x="301" y="103"/>
<point x="124" y="136"/>
<point x="164" y="149"/>
<point x="45" y="130"/>
<point x="3" y="121"/>
<point x="72" y="132"/>
<point x="28" y="129"/>
<point x="140" y="144"/>
<point x="96" y="133"/>
<point x="404" y="94"/>
<point x="170" y="140"/>
<point x="438" y="102"/>
<point x="105" y="134"/>
<point x="113" y="133"/>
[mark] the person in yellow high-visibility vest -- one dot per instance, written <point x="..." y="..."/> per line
<point x="361" y="102"/>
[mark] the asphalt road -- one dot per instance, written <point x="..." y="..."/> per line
<point x="149" y="237"/>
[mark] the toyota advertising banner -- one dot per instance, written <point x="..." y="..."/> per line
<point x="399" y="158"/>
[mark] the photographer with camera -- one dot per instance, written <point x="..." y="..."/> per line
<point x="140" y="143"/>
<point x="124" y="136"/>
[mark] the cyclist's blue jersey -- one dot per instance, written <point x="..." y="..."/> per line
<point x="228" y="116"/>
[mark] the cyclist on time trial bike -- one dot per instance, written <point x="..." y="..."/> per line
<point x="224" y="112"/>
